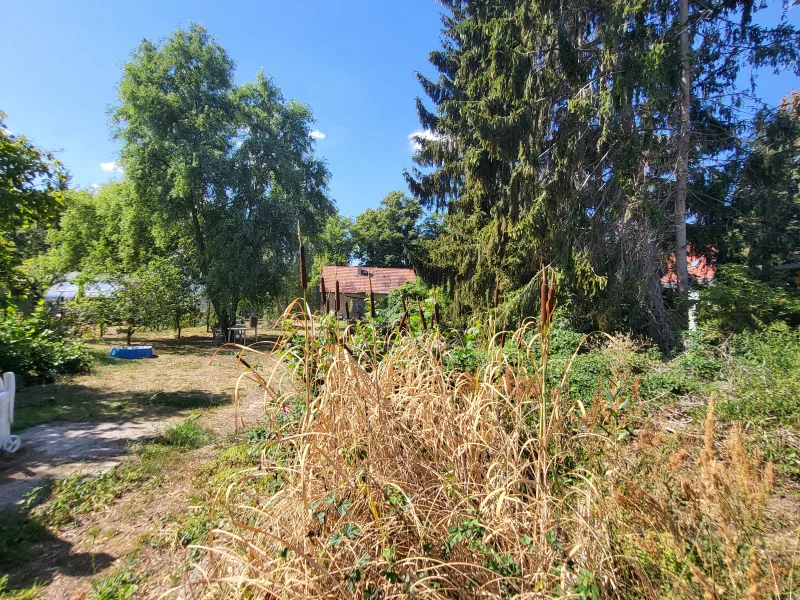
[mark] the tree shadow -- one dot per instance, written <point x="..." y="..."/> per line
<point x="78" y="403"/>
<point x="31" y="553"/>
<point x="195" y="344"/>
<point x="189" y="344"/>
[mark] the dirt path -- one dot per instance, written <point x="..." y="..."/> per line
<point x="58" y="450"/>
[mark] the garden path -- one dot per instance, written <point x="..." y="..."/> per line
<point x="56" y="450"/>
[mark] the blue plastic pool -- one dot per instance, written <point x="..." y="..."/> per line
<point x="132" y="352"/>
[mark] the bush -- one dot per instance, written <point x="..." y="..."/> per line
<point x="413" y="293"/>
<point x="766" y="376"/>
<point x="39" y="347"/>
<point x="187" y="435"/>
<point x="737" y="302"/>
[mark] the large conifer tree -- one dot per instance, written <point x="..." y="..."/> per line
<point x="554" y="140"/>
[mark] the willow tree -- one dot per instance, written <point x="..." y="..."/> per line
<point x="231" y="167"/>
<point x="554" y="140"/>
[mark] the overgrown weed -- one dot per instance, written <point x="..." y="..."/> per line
<point x="122" y="585"/>
<point x="78" y="495"/>
<point x="406" y="478"/>
<point x="188" y="435"/>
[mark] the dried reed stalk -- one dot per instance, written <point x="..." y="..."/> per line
<point x="371" y="296"/>
<point x="303" y="272"/>
<point x="406" y="478"/>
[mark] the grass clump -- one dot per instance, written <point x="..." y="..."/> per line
<point x="120" y="586"/>
<point x="31" y="593"/>
<point x="188" y="435"/>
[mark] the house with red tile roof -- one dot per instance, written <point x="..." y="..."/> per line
<point x="701" y="271"/>
<point x="354" y="285"/>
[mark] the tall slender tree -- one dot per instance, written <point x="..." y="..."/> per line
<point x="684" y="142"/>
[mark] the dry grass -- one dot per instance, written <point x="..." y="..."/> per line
<point x="402" y="479"/>
<point x="177" y="380"/>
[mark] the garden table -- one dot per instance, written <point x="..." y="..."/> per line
<point x="240" y="332"/>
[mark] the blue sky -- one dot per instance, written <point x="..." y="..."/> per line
<point x="352" y="61"/>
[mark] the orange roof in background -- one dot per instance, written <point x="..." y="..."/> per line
<point x="700" y="270"/>
<point x="354" y="280"/>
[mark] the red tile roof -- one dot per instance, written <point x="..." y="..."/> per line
<point x="354" y="280"/>
<point x="700" y="270"/>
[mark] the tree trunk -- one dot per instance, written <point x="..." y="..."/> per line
<point x="226" y="314"/>
<point x="198" y="233"/>
<point x="178" y="324"/>
<point x="129" y="334"/>
<point x="657" y="311"/>
<point x="682" y="166"/>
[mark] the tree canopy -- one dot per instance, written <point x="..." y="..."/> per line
<point x="386" y="236"/>
<point x="764" y="212"/>
<point x="554" y="139"/>
<point x="31" y="184"/>
<point x="230" y="167"/>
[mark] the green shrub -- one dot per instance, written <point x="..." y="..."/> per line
<point x="737" y="302"/>
<point x="412" y="292"/>
<point x="465" y="354"/>
<point x="187" y="435"/>
<point x="766" y="376"/>
<point x="39" y="347"/>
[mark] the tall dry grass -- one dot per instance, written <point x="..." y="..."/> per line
<point x="404" y="479"/>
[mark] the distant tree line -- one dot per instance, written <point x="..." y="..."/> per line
<point x="396" y="234"/>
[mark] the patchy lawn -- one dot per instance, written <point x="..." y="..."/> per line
<point x="179" y="378"/>
<point x="120" y="533"/>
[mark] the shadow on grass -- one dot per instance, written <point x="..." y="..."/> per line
<point x="31" y="553"/>
<point x="162" y="344"/>
<point x="75" y="402"/>
<point x="194" y="344"/>
<point x="102" y="357"/>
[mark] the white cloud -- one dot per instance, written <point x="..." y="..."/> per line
<point x="95" y="187"/>
<point x="317" y="135"/>
<point x="417" y="136"/>
<point x="110" y="166"/>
